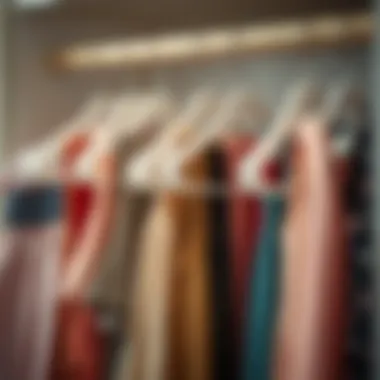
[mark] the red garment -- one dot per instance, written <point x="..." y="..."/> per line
<point x="79" y="348"/>
<point x="245" y="216"/>
<point x="79" y="345"/>
<point x="79" y="351"/>
<point x="79" y="199"/>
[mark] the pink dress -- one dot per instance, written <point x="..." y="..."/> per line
<point x="312" y="321"/>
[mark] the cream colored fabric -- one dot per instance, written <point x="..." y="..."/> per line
<point x="171" y="316"/>
<point x="150" y="329"/>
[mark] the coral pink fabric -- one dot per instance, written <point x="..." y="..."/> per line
<point x="309" y="340"/>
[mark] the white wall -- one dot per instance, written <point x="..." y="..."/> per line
<point x="3" y="75"/>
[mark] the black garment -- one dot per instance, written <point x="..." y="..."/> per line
<point x="224" y="356"/>
<point x="360" y="250"/>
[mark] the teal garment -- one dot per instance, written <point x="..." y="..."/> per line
<point x="263" y="292"/>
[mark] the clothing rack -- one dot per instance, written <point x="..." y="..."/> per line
<point x="215" y="44"/>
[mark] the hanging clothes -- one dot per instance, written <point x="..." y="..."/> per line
<point x="96" y="227"/>
<point x="263" y="295"/>
<point x="29" y="281"/>
<point x="190" y="345"/>
<point x="358" y="194"/>
<point x="113" y="282"/>
<point x="148" y="347"/>
<point x="115" y="312"/>
<point x="136" y="209"/>
<point x="171" y="334"/>
<point x="244" y="215"/>
<point x="79" y="353"/>
<point x="310" y="334"/>
<point x="111" y="291"/>
<point x="108" y="235"/>
<point x="79" y="343"/>
<point x="78" y="202"/>
<point x="79" y="349"/>
<point x="219" y="252"/>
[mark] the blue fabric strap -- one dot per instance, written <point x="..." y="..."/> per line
<point x="33" y="206"/>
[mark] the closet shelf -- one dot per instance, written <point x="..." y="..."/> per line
<point x="214" y="44"/>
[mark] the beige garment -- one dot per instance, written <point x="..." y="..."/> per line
<point x="149" y="330"/>
<point x="171" y="324"/>
<point x="309" y="344"/>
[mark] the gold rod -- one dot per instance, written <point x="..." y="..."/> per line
<point x="318" y="32"/>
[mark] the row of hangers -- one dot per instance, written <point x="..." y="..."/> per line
<point x="204" y="118"/>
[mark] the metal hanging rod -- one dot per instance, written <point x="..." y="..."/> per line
<point x="187" y="48"/>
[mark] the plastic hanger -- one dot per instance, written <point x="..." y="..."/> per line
<point x="300" y="100"/>
<point x="341" y="105"/>
<point x="130" y="116"/>
<point x="143" y="170"/>
<point x="40" y="161"/>
<point x="335" y="100"/>
<point x="235" y="108"/>
<point x="296" y="101"/>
